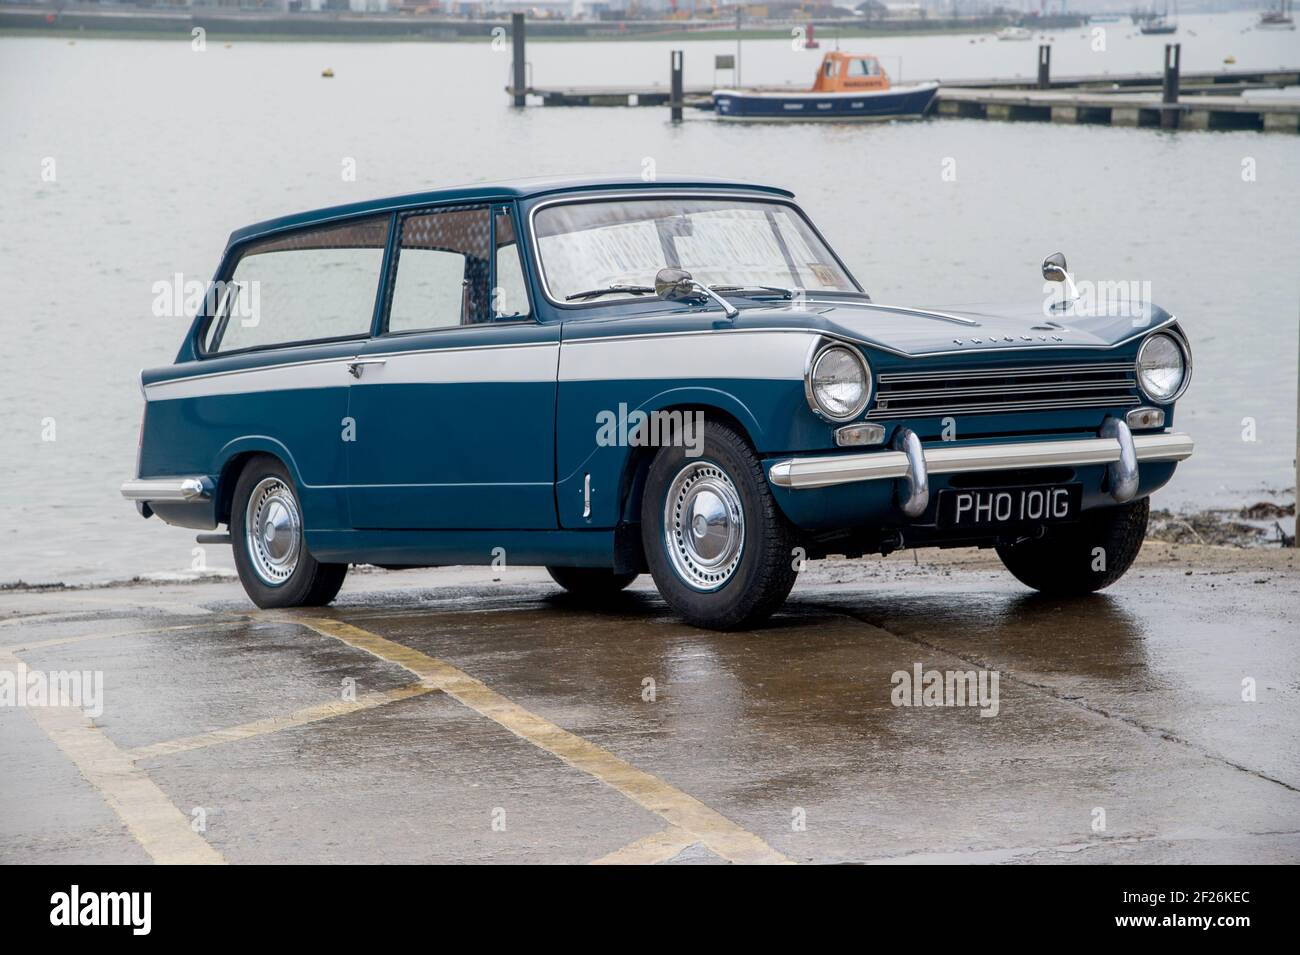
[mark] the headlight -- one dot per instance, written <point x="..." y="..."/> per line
<point x="838" y="383"/>
<point x="1162" y="368"/>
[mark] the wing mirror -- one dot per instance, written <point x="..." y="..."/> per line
<point x="677" y="285"/>
<point x="1054" y="270"/>
<point x="1054" y="267"/>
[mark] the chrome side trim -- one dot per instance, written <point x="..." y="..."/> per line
<point x="830" y="470"/>
<point x="342" y="359"/>
<point x="183" y="489"/>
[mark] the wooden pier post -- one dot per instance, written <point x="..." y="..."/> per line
<point x="520" y="82"/>
<point x="1173" y="54"/>
<point x="675" y="85"/>
<point x="1044" y="67"/>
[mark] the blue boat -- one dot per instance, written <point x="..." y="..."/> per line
<point x="848" y="87"/>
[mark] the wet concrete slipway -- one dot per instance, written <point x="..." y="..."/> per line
<point x="444" y="716"/>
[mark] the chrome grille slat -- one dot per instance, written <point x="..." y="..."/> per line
<point x="1035" y="388"/>
<point x="915" y="394"/>
<point x="1037" y="370"/>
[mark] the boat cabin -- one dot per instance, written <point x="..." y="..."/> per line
<point x="849" y="72"/>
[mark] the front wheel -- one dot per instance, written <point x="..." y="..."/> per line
<point x="267" y="533"/>
<point x="720" y="551"/>
<point x="1074" y="559"/>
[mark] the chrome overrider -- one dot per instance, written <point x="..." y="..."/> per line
<point x="1116" y="446"/>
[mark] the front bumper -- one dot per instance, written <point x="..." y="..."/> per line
<point x="1120" y="451"/>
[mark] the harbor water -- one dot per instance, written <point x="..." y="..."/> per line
<point x="126" y="163"/>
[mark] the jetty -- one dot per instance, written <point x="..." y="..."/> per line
<point x="1170" y="99"/>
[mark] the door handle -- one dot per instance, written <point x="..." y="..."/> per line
<point x="354" y="366"/>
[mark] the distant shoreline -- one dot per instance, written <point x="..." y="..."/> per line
<point x="226" y="27"/>
<point x="688" y="36"/>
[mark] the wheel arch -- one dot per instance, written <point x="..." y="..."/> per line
<point x="632" y="481"/>
<point x="629" y="551"/>
<point x="234" y="457"/>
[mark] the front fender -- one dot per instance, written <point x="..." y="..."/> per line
<point x="598" y="421"/>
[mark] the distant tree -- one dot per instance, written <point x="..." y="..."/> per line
<point x="872" y="9"/>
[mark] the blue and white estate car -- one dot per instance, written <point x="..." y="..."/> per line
<point x="609" y="378"/>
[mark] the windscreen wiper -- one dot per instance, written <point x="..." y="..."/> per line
<point x="783" y="292"/>
<point x="610" y="290"/>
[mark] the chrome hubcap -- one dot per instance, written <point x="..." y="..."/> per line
<point x="273" y="531"/>
<point x="704" y="526"/>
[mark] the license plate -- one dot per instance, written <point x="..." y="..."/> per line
<point x="985" y="506"/>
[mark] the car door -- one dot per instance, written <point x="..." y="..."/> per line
<point x="454" y="400"/>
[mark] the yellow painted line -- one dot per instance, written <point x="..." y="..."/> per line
<point x="161" y="829"/>
<point x="654" y="848"/>
<point x="686" y="813"/>
<point x="273" y="724"/>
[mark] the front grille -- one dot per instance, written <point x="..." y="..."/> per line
<point x="919" y="394"/>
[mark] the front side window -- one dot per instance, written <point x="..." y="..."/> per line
<point x="312" y="285"/>
<point x="589" y="246"/>
<point x="864" y="68"/>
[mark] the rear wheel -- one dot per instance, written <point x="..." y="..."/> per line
<point x="719" y="549"/>
<point x="591" y="583"/>
<point x="1081" y="558"/>
<point x="267" y="533"/>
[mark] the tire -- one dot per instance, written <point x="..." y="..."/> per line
<point x="590" y="583"/>
<point x="280" y="572"/>
<point x="1062" y="562"/>
<point x="713" y="580"/>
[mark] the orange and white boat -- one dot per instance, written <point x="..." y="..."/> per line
<point x="848" y="86"/>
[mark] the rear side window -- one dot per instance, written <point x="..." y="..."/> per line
<point x="443" y="276"/>
<point x="314" y="285"/>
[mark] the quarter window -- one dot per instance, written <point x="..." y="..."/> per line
<point x="510" y="294"/>
<point x="313" y="285"/>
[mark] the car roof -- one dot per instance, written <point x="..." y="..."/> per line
<point x="504" y="190"/>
